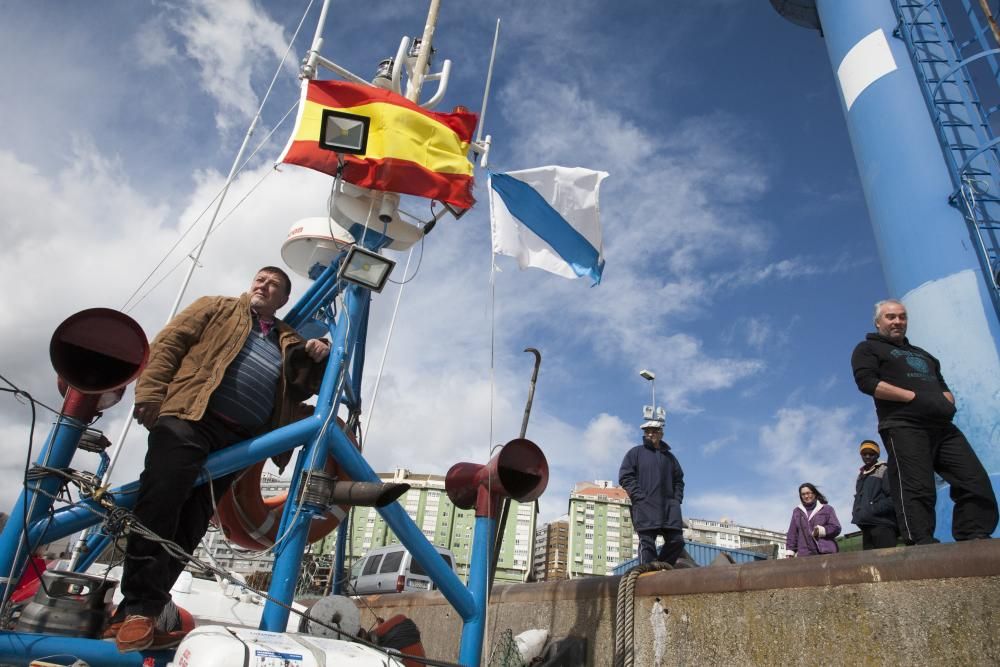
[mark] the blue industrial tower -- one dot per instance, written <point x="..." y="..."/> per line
<point x="920" y="87"/>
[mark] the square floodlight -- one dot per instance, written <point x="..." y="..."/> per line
<point x="344" y="132"/>
<point x="366" y="268"/>
<point x="455" y="211"/>
<point x="647" y="412"/>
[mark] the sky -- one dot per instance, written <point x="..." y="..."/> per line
<point x="740" y="262"/>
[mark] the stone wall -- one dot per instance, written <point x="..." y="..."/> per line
<point x="930" y="605"/>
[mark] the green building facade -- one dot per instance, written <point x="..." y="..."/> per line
<point x="443" y="524"/>
<point x="600" y="529"/>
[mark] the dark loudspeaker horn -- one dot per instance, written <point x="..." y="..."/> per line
<point x="519" y="471"/>
<point x="98" y="350"/>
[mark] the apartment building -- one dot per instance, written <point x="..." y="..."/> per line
<point x="551" y="550"/>
<point x="600" y="534"/>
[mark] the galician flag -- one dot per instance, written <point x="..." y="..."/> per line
<point x="548" y="218"/>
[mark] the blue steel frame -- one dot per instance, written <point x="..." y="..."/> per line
<point x="319" y="436"/>
<point x="961" y="120"/>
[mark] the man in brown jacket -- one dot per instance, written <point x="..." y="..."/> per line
<point x="216" y="376"/>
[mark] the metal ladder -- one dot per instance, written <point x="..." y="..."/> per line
<point x="951" y="73"/>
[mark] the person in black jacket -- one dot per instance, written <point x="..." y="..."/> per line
<point x="915" y="408"/>
<point x="654" y="481"/>
<point x="874" y="513"/>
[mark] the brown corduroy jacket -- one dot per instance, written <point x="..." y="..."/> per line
<point x="189" y="357"/>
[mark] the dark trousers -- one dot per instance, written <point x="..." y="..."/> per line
<point x="915" y="454"/>
<point x="878" y="537"/>
<point x="672" y="547"/>
<point x="171" y="506"/>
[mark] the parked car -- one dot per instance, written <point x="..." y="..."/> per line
<point x="392" y="569"/>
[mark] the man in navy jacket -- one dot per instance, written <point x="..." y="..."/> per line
<point x="654" y="481"/>
<point x="915" y="408"/>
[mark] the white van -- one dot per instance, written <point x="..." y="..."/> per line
<point x="392" y="569"/>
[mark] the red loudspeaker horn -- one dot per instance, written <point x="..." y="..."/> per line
<point x="519" y="471"/>
<point x="98" y="351"/>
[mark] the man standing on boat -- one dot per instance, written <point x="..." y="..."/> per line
<point x="217" y="374"/>
<point x="915" y="408"/>
<point x="654" y="481"/>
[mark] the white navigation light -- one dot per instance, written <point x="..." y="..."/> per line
<point x="344" y="132"/>
<point x="366" y="268"/>
<point x="383" y="74"/>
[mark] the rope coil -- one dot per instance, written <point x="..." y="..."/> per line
<point x="625" y="612"/>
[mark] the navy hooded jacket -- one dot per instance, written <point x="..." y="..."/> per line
<point x="654" y="482"/>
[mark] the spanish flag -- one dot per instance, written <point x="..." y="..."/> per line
<point x="386" y="141"/>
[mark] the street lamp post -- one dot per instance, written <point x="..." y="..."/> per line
<point x="651" y="376"/>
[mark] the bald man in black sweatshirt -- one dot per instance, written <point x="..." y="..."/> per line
<point x="915" y="408"/>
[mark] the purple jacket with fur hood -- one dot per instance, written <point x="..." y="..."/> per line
<point x="800" y="540"/>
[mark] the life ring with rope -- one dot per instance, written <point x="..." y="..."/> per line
<point x="250" y="520"/>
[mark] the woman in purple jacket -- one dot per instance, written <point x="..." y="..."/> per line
<point x="814" y="525"/>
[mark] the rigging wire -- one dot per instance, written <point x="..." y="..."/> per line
<point x="126" y="308"/>
<point x="214" y="229"/>
<point x="221" y="193"/>
<point x="488" y="553"/>
<point x="388" y="338"/>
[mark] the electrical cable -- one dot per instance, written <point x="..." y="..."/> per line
<point x="23" y="543"/>
<point x="420" y="261"/>
<point x="18" y="392"/>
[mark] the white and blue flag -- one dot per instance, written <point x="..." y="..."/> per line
<point x="549" y="218"/>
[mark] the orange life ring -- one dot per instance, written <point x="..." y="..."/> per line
<point x="251" y="521"/>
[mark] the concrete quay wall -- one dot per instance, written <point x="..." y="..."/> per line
<point x="928" y="605"/>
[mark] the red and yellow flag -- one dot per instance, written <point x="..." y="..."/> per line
<point x="386" y="141"/>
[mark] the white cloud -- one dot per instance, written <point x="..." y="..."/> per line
<point x="229" y="41"/>
<point x="804" y="443"/>
<point x="718" y="444"/>
<point x="152" y="45"/>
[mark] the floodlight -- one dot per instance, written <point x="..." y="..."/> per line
<point x="647" y="412"/>
<point x="455" y="211"/>
<point x="344" y="132"/>
<point x="649" y="375"/>
<point x="366" y="268"/>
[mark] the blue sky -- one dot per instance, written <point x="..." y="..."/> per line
<point x="741" y="266"/>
